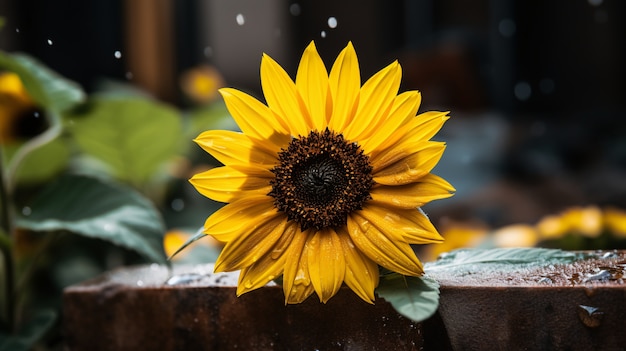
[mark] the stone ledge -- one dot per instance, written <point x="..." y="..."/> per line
<point x="132" y="309"/>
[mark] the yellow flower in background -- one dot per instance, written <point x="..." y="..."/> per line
<point x="201" y="83"/>
<point x="14" y="104"/>
<point x="516" y="235"/>
<point x="174" y="239"/>
<point x="325" y="182"/>
<point x="458" y="236"/>
<point x="615" y="221"/>
<point x="586" y="221"/>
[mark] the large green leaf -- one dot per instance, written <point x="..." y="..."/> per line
<point x="93" y="208"/>
<point x="132" y="136"/>
<point x="210" y="117"/>
<point x="416" y="298"/>
<point x="503" y="258"/>
<point x="47" y="88"/>
<point x="43" y="163"/>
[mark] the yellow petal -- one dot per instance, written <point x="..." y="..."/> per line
<point x="312" y="83"/>
<point x="233" y="148"/>
<point x="282" y="97"/>
<point x="429" y="188"/>
<point x="361" y="272"/>
<point x="255" y="119"/>
<point x="226" y="184"/>
<point x="296" y="281"/>
<point x="412" y="225"/>
<point x="397" y="168"/>
<point x="420" y="128"/>
<point x="251" y="244"/>
<point x="326" y="262"/>
<point x="229" y="221"/>
<point x="268" y="267"/>
<point x="376" y="98"/>
<point x="344" y="83"/>
<point x="404" y="108"/>
<point x="383" y="246"/>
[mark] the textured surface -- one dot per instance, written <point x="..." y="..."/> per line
<point x="133" y="309"/>
<point x="578" y="306"/>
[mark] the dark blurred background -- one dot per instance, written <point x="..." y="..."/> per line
<point x="535" y="88"/>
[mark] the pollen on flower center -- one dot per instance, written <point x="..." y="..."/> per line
<point x="320" y="179"/>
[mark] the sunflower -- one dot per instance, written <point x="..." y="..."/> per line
<point x="325" y="182"/>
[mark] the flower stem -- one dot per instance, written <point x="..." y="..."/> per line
<point x="7" y="266"/>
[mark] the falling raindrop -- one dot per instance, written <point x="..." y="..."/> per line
<point x="332" y="22"/>
<point x="36" y="114"/>
<point x="295" y="9"/>
<point x="507" y="27"/>
<point x="177" y="205"/>
<point x="240" y="19"/>
<point x="117" y="54"/>
<point x="600" y="16"/>
<point x="323" y="34"/>
<point x="17" y="30"/>
<point x="49" y="42"/>
<point x="129" y="75"/>
<point x="140" y="283"/>
<point x="595" y="2"/>
<point x="546" y="86"/>
<point x="522" y="91"/>
<point x="208" y="51"/>
<point x="26" y="211"/>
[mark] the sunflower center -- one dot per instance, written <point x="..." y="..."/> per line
<point x="320" y="179"/>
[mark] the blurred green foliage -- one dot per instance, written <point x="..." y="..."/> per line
<point x="91" y="191"/>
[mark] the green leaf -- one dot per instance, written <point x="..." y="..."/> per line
<point x="416" y="298"/>
<point x="93" y="208"/>
<point x="502" y="257"/>
<point x="43" y="163"/>
<point x="132" y="136"/>
<point x="211" y="117"/>
<point x="30" y="334"/>
<point x="47" y="88"/>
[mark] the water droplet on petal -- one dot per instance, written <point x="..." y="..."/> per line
<point x="117" y="54"/>
<point x="332" y="22"/>
<point x="240" y="19"/>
